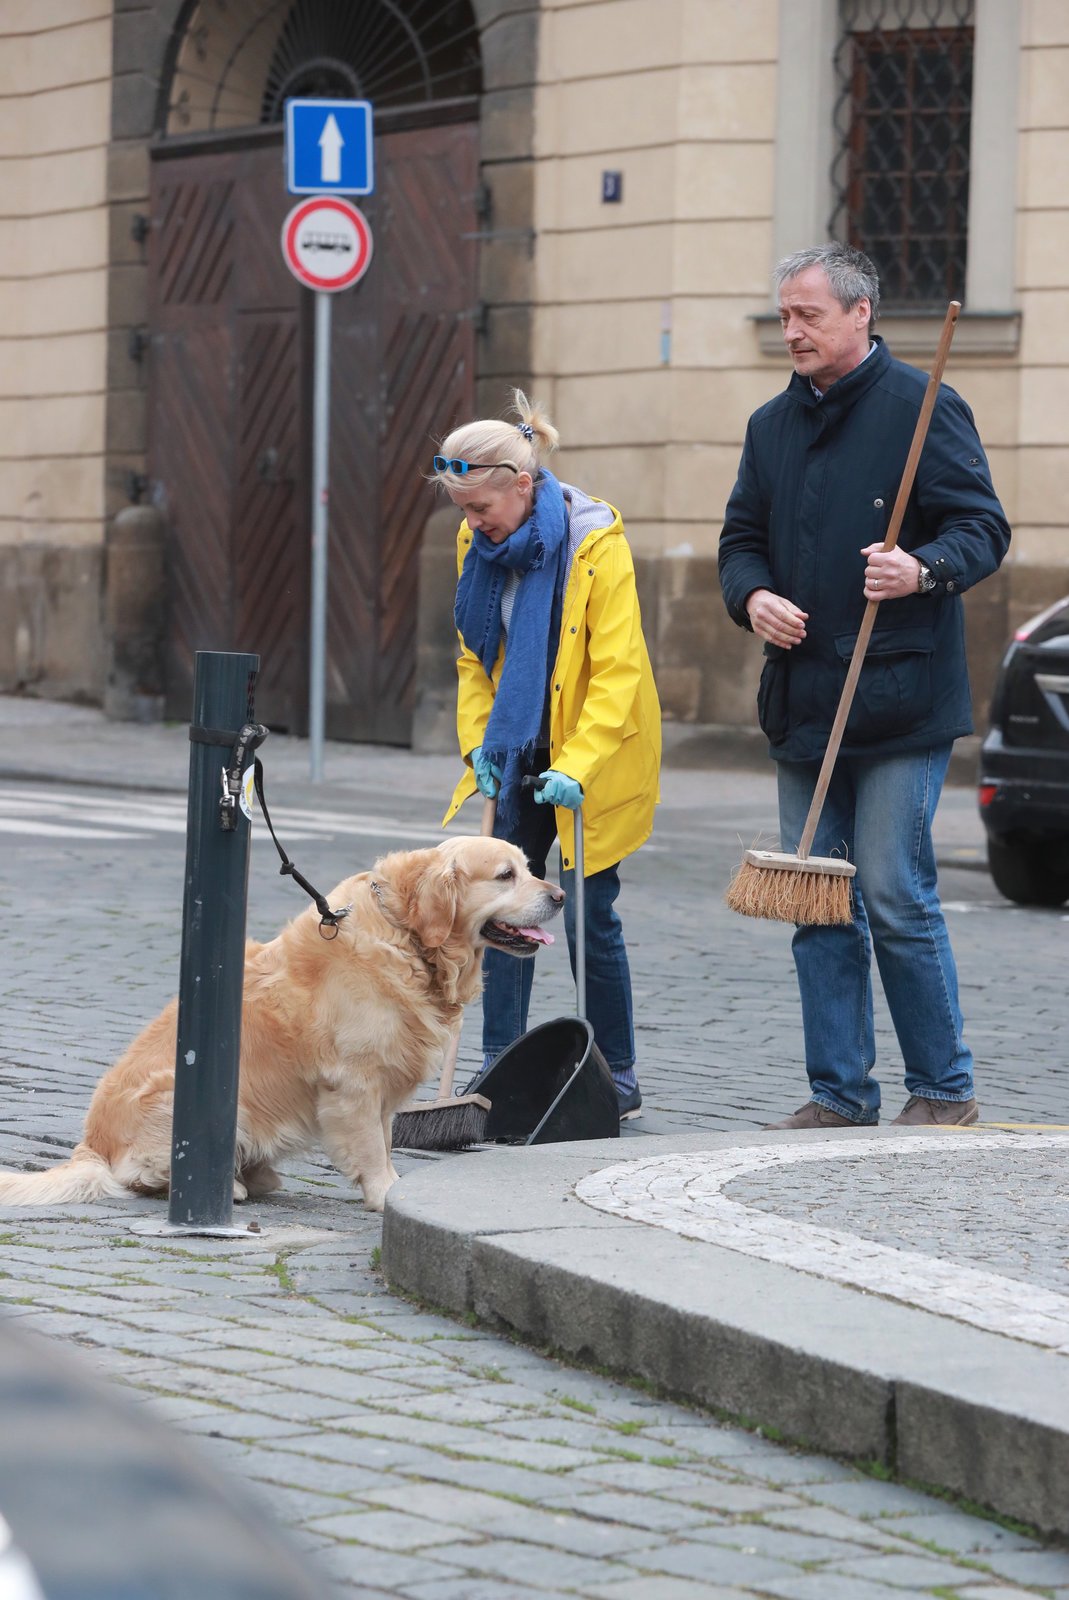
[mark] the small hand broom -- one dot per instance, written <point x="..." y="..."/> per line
<point x="809" y="889"/>
<point x="451" y="1122"/>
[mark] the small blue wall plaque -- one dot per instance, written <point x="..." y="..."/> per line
<point x="612" y="187"/>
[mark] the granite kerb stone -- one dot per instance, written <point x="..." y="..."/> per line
<point x="427" y="1249"/>
<point x="998" y="1440"/>
<point x="500" y="1237"/>
<point x="700" y="1324"/>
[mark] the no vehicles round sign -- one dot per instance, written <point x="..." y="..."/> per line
<point x="326" y="243"/>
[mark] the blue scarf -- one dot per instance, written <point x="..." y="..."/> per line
<point x="539" y="551"/>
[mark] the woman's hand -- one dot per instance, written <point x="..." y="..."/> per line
<point x="889" y="574"/>
<point x="487" y="773"/>
<point x="558" y="790"/>
<point x="776" y="619"/>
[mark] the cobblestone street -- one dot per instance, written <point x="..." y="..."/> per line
<point x="410" y="1454"/>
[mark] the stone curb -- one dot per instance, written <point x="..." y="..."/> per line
<point x="501" y="1235"/>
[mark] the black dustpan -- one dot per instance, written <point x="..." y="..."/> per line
<point x="553" y="1084"/>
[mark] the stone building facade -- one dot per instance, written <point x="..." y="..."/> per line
<point x="641" y="165"/>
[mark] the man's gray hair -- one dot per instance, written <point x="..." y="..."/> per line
<point x="851" y="275"/>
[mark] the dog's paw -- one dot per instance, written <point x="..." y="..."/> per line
<point x="260" y="1180"/>
<point x="375" y="1193"/>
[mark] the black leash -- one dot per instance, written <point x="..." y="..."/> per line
<point x="328" y="919"/>
<point x="241" y="745"/>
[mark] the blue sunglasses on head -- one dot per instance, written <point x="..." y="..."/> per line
<point x="456" y="465"/>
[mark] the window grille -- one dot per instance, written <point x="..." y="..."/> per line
<point x="900" y="178"/>
<point x="237" y="62"/>
<point x="394" y="52"/>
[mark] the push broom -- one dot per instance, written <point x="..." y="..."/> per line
<point x="450" y="1122"/>
<point x="809" y="889"/>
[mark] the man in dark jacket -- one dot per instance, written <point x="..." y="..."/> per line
<point x="800" y="555"/>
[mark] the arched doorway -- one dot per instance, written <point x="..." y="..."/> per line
<point x="230" y="382"/>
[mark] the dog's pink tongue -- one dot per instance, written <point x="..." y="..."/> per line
<point x="536" y="934"/>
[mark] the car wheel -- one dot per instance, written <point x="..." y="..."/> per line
<point x="1029" y="872"/>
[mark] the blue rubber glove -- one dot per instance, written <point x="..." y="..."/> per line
<point x="559" y="790"/>
<point x="487" y="773"/>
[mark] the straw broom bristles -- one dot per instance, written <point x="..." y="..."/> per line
<point x="785" y="888"/>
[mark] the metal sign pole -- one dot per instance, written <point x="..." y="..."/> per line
<point x="326" y="244"/>
<point x="320" y="523"/>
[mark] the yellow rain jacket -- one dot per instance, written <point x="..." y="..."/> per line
<point x="605" y="718"/>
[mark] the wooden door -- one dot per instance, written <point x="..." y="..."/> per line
<point x="402" y="376"/>
<point x="225" y="439"/>
<point x="230" y="419"/>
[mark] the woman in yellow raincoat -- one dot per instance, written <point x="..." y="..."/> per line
<point x="555" y="681"/>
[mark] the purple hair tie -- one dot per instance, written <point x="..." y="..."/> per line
<point x="527" y="431"/>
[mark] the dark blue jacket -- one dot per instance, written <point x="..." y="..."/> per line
<point x="817" y="482"/>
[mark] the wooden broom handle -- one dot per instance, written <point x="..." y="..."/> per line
<point x="449" y="1065"/>
<point x="905" y="488"/>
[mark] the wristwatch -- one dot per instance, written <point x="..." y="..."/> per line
<point x="925" y="581"/>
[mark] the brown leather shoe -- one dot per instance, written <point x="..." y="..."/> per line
<point x="813" y="1116"/>
<point x="920" y="1113"/>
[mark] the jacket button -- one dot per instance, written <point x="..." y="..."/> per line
<point x="556" y="686"/>
<point x="950" y="586"/>
<point x="567" y="863"/>
<point x="590" y="571"/>
<point x="571" y="630"/>
<point x="878" y="504"/>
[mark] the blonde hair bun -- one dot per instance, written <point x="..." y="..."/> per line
<point x="532" y="416"/>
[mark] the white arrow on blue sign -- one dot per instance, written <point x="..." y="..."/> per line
<point x="329" y="148"/>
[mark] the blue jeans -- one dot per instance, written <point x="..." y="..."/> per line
<point x="879" y="813"/>
<point x="508" y="980"/>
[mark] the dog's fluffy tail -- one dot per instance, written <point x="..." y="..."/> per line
<point x="86" y="1176"/>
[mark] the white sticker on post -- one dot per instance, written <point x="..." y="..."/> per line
<point x="248" y="791"/>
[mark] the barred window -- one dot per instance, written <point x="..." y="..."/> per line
<point x="900" y="178"/>
<point x="239" y="61"/>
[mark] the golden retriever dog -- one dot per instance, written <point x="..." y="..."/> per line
<point x="336" y="1033"/>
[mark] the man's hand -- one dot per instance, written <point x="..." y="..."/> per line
<point x="776" y="619"/>
<point x="889" y="574"/>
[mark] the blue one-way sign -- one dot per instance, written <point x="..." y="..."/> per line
<point x="329" y="147"/>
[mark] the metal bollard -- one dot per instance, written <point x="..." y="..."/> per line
<point x="211" y="981"/>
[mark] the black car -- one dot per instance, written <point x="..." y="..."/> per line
<point x="1024" y="764"/>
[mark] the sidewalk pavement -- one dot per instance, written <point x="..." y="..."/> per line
<point x="896" y="1298"/>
